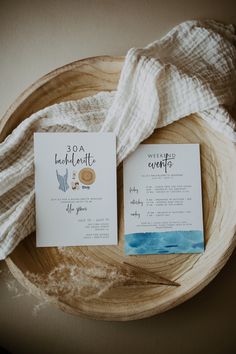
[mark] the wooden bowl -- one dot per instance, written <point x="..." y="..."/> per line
<point x="31" y="265"/>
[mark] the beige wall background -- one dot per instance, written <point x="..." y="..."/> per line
<point x="35" y="38"/>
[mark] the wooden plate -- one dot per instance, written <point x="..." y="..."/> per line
<point x="73" y="285"/>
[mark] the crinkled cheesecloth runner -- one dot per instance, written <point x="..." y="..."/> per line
<point x="192" y="69"/>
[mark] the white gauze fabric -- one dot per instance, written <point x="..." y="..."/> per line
<point x="190" y="70"/>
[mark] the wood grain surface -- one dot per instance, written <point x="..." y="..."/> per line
<point x="96" y="282"/>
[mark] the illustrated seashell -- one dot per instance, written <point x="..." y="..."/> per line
<point x="73" y="185"/>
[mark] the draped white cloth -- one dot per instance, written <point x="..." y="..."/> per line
<point x="192" y="69"/>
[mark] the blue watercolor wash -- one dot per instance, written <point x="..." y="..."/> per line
<point x="198" y="245"/>
<point x="164" y="242"/>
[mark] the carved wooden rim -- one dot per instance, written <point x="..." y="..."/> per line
<point x="6" y="125"/>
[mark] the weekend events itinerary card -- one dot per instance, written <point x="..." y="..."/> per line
<point x="75" y="187"/>
<point x="162" y="200"/>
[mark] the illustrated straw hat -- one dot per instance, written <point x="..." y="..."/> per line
<point x="87" y="176"/>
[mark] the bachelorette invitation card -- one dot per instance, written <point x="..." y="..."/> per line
<point x="75" y="187"/>
<point x="162" y="200"/>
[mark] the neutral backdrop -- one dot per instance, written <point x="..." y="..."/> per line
<point x="35" y="38"/>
